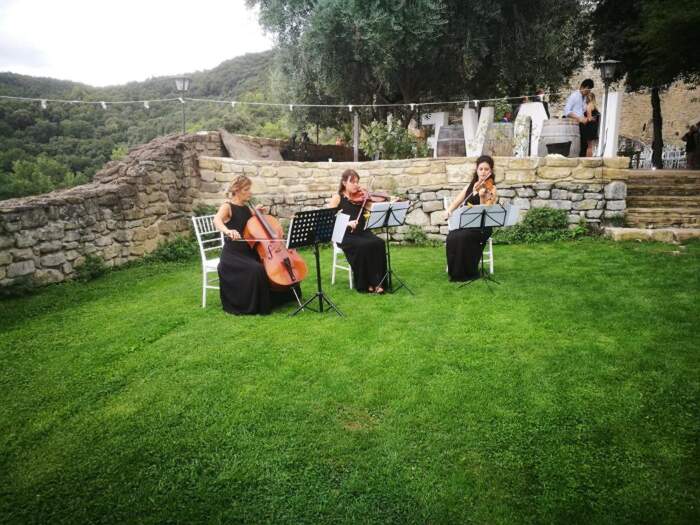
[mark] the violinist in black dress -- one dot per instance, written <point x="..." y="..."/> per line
<point x="243" y="284"/>
<point x="363" y="249"/>
<point x="465" y="246"/>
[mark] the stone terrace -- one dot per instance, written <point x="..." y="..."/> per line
<point x="588" y="189"/>
<point x="134" y="204"/>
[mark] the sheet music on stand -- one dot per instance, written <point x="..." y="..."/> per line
<point x="310" y="228"/>
<point x="341" y="225"/>
<point x="480" y="217"/>
<point x="493" y="216"/>
<point x="387" y="214"/>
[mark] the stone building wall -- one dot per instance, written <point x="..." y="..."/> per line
<point x="588" y="189"/>
<point x="124" y="213"/>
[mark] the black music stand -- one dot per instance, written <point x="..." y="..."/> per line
<point x="482" y="217"/>
<point x="386" y="215"/>
<point x="311" y="228"/>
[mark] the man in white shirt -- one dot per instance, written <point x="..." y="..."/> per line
<point x="576" y="107"/>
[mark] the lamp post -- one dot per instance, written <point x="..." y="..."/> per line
<point x="607" y="73"/>
<point x="182" y="84"/>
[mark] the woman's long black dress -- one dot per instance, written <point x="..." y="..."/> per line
<point x="363" y="249"/>
<point x="589" y="130"/>
<point x="464" y="249"/>
<point x="243" y="284"/>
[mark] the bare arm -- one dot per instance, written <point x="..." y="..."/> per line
<point x="580" y="120"/>
<point x="221" y="218"/>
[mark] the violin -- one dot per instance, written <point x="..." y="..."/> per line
<point x="284" y="268"/>
<point x="485" y="189"/>
<point x="364" y="198"/>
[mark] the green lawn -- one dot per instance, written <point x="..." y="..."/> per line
<point x="566" y="394"/>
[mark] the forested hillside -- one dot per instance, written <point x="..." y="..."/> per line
<point x="66" y="144"/>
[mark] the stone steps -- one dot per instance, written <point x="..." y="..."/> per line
<point x="647" y="217"/>
<point x="664" y="177"/>
<point x="688" y="189"/>
<point x="663" y="201"/>
<point x="663" y="198"/>
<point x="672" y="235"/>
<point x="663" y="174"/>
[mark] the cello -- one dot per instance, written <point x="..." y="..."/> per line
<point x="264" y="234"/>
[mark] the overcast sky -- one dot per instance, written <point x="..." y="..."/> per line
<point x="102" y="42"/>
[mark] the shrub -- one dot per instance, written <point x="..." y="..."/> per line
<point x="416" y="235"/>
<point x="543" y="219"/>
<point x="541" y="225"/>
<point x="93" y="266"/>
<point x="391" y="142"/>
<point x="178" y="249"/>
<point x="21" y="287"/>
<point x="205" y="209"/>
<point x="119" y="152"/>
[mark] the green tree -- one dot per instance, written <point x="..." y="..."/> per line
<point x="656" y="41"/>
<point x="399" y="52"/>
<point x="83" y="137"/>
<point x="40" y="175"/>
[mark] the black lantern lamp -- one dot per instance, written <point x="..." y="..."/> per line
<point x="607" y="70"/>
<point x="182" y="84"/>
<point x="607" y="73"/>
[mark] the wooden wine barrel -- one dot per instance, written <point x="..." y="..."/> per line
<point x="499" y="140"/>
<point x="450" y="142"/>
<point x="559" y="131"/>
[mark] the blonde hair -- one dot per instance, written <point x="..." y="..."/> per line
<point x="238" y="184"/>
<point x="590" y="98"/>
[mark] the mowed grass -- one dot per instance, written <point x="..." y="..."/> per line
<point x="566" y="394"/>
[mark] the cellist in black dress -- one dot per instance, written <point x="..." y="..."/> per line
<point x="465" y="247"/>
<point x="244" y="286"/>
<point x="363" y="249"/>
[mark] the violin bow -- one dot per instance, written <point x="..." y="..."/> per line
<point x="364" y="202"/>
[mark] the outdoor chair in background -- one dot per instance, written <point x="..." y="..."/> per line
<point x="209" y="239"/>
<point x="337" y="251"/>
<point x="488" y="249"/>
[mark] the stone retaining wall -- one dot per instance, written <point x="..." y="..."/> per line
<point x="134" y="204"/>
<point x="124" y="213"/>
<point x="588" y="189"/>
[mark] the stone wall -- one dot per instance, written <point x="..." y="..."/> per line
<point x="134" y="204"/>
<point x="588" y="189"/>
<point x="124" y="213"/>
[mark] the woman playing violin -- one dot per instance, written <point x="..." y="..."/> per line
<point x="243" y="284"/>
<point x="364" y="250"/>
<point x="465" y="246"/>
